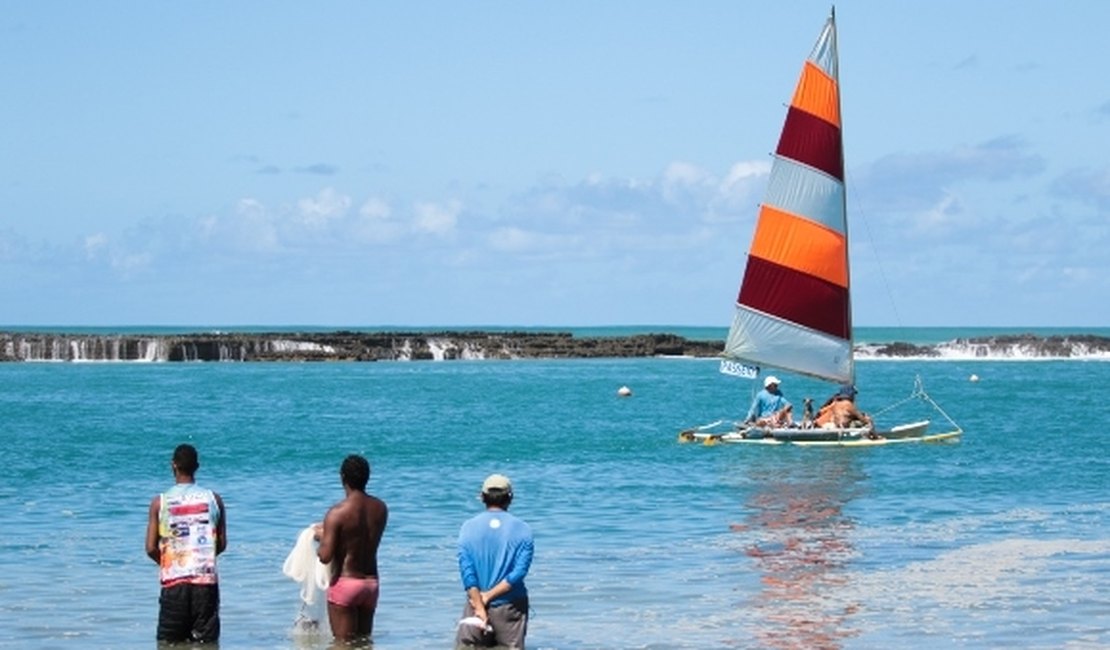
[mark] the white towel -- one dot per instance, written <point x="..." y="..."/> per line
<point x="305" y="567"/>
<point x="474" y="621"/>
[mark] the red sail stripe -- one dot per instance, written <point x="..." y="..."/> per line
<point x="812" y="141"/>
<point x="796" y="297"/>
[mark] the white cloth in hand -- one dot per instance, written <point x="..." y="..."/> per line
<point x="303" y="566"/>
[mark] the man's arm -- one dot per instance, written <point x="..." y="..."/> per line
<point x="522" y="561"/>
<point x="326" y="550"/>
<point x="221" y="526"/>
<point x="478" y="602"/>
<point x="862" y="417"/>
<point x="152" y="550"/>
<point x="753" y="410"/>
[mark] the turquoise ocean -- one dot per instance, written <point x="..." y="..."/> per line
<point x="1000" y="540"/>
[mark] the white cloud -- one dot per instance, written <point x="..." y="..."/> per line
<point x="375" y="209"/>
<point x="738" y="193"/>
<point x="250" y="227"/>
<point x="683" y="183"/>
<point x="326" y="206"/>
<point x="128" y="263"/>
<point x="512" y="239"/>
<point x="376" y="223"/>
<point x="683" y="173"/>
<point x="745" y="173"/>
<point x="94" y="245"/>
<point x="518" y="240"/>
<point x="436" y="218"/>
<point x="940" y="216"/>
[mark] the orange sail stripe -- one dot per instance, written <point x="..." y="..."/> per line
<point x="801" y="244"/>
<point x="816" y="94"/>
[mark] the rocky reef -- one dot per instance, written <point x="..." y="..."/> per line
<point x="1011" y="346"/>
<point x="343" y="346"/>
<point x="452" y="345"/>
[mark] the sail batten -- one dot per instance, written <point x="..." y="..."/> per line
<point x="793" y="310"/>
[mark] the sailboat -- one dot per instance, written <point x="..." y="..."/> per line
<point x="794" y="308"/>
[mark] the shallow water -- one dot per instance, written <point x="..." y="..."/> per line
<point x="1000" y="540"/>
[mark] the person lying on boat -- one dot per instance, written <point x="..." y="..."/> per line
<point x="840" y="412"/>
<point x="770" y="408"/>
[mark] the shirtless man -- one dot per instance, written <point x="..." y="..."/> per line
<point x="349" y="539"/>
<point x="841" y="411"/>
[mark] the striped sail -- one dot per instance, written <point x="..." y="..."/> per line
<point x="793" y="311"/>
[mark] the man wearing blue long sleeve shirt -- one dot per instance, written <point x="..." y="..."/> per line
<point x="769" y="408"/>
<point x="495" y="552"/>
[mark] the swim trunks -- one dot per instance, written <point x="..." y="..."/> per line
<point x="354" y="592"/>
<point x="189" y="613"/>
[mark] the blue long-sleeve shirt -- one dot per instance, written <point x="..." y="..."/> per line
<point x="495" y="546"/>
<point x="764" y="404"/>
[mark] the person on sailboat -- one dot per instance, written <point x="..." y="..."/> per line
<point x="840" y="411"/>
<point x="770" y="408"/>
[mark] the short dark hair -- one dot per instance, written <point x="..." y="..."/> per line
<point x="355" y="471"/>
<point x="185" y="459"/>
<point x="497" y="498"/>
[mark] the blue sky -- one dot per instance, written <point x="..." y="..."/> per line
<point x="527" y="163"/>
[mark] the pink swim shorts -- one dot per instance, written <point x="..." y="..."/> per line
<point x="354" y="592"/>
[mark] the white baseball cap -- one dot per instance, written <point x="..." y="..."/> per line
<point x="498" y="482"/>
<point x="771" y="379"/>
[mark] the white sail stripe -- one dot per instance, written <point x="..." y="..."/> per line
<point x="824" y="53"/>
<point x="807" y="192"/>
<point x="763" y="340"/>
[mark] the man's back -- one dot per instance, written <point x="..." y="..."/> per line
<point x="495" y="546"/>
<point x="840" y="413"/>
<point x="359" y="522"/>
<point x="349" y="542"/>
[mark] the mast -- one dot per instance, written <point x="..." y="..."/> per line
<point x="844" y="195"/>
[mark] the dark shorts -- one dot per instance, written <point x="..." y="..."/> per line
<point x="509" y="622"/>
<point x="189" y="613"/>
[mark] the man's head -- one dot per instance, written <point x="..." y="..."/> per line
<point x="355" y="472"/>
<point x="847" y="392"/>
<point x="497" y="490"/>
<point x="771" y="383"/>
<point x="185" y="459"/>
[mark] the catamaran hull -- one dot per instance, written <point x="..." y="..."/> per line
<point x="912" y="432"/>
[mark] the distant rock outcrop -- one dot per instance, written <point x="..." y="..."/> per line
<point x="1011" y="346"/>
<point x="452" y="345"/>
<point x="342" y="346"/>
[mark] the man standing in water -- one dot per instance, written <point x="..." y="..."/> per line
<point x="349" y="539"/>
<point x="186" y="529"/>
<point x="495" y="553"/>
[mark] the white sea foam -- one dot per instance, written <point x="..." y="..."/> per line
<point x="963" y="351"/>
<point x="286" y="346"/>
